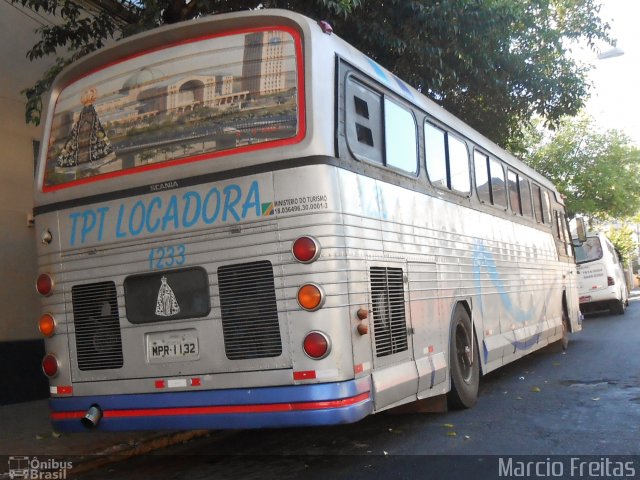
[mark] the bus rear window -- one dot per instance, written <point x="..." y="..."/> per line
<point x="184" y="102"/>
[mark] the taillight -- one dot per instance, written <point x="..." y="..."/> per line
<point x="47" y="325"/>
<point x="44" y="284"/>
<point x="305" y="249"/>
<point x="310" y="297"/>
<point x="610" y="281"/>
<point x="316" y="345"/>
<point x="50" y="365"/>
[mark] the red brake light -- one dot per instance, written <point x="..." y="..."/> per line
<point x="610" y="281"/>
<point x="44" y="284"/>
<point x="50" y="365"/>
<point x="316" y="345"/>
<point x="305" y="249"/>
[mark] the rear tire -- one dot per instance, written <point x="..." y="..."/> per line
<point x="617" y="307"/>
<point x="564" y="341"/>
<point x="464" y="362"/>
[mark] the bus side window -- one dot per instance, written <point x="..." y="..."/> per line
<point x="401" y="142"/>
<point x="563" y="239"/>
<point x="483" y="187"/>
<point x="568" y="244"/>
<point x="514" y="193"/>
<point x="364" y="122"/>
<point x="447" y="160"/>
<point x="459" y="166"/>
<point x="436" y="155"/>
<point x="546" y="207"/>
<point x="537" y="202"/>
<point x="558" y="225"/>
<point x="525" y="196"/>
<point x="489" y="180"/>
<point x="498" y="186"/>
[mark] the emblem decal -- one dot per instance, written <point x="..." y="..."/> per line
<point x="167" y="304"/>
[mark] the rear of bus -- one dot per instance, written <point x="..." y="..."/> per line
<point x="189" y="234"/>
<point x="601" y="279"/>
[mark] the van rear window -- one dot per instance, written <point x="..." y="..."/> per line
<point x="589" y="251"/>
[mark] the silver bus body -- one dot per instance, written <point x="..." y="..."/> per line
<point x="133" y="339"/>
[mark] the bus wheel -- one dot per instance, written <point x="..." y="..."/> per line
<point x="464" y="362"/>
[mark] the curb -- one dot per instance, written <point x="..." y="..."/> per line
<point x="122" y="452"/>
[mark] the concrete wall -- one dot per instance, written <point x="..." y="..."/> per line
<point x="21" y="345"/>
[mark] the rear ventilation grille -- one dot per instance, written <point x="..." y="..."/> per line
<point x="97" y="326"/>
<point x="249" y="311"/>
<point x="389" y="321"/>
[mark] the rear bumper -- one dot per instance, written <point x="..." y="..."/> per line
<point x="299" y="405"/>
<point x="597" y="300"/>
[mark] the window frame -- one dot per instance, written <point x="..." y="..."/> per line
<point x="489" y="160"/>
<point x="377" y="153"/>
<point x="447" y="158"/>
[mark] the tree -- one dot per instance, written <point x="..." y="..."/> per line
<point x="622" y="239"/>
<point x="598" y="173"/>
<point x="491" y="62"/>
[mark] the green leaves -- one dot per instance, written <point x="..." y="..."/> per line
<point x="598" y="172"/>
<point x="622" y="239"/>
<point x="493" y="63"/>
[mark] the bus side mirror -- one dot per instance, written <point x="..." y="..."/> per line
<point x="581" y="230"/>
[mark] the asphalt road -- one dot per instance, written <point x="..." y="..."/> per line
<point x="579" y="403"/>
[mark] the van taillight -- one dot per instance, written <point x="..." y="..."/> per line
<point x="610" y="281"/>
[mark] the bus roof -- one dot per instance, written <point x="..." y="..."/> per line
<point x="210" y="25"/>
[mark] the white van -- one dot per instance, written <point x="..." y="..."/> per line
<point x="601" y="279"/>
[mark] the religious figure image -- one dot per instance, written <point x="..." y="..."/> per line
<point x="87" y="144"/>
<point x="167" y="304"/>
<point x="232" y="93"/>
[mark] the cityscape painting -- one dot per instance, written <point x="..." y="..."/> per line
<point x="189" y="100"/>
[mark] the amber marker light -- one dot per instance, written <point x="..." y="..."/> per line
<point x="47" y="325"/>
<point x="310" y="297"/>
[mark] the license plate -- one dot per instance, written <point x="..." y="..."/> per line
<point x="585" y="299"/>
<point x="179" y="346"/>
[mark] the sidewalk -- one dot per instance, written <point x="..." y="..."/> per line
<point x="25" y="431"/>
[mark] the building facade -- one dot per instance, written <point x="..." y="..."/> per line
<point x="21" y="347"/>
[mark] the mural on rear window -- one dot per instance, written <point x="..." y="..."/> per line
<point x="189" y="100"/>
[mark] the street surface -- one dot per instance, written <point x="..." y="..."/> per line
<point x="582" y="402"/>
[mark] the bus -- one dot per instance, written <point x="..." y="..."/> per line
<point x="245" y="222"/>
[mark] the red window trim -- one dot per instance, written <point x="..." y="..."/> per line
<point x="211" y="155"/>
